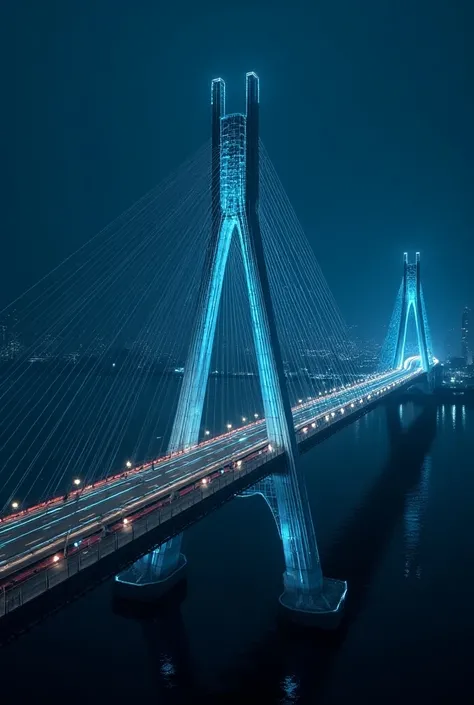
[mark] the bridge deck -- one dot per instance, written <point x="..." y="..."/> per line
<point x="35" y="541"/>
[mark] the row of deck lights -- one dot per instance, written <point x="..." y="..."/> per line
<point x="352" y="405"/>
<point x="15" y="504"/>
<point x="300" y="401"/>
<point x="229" y="425"/>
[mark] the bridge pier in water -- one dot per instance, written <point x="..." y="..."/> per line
<point x="152" y="576"/>
<point x="308" y="597"/>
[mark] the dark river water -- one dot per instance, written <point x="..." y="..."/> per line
<point x="394" y="516"/>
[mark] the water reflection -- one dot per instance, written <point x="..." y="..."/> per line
<point x="290" y="688"/>
<point x="414" y="510"/>
<point x="453" y="415"/>
<point x="167" y="668"/>
<point x="270" y="666"/>
<point x="357" y="430"/>
<point x="356" y="555"/>
<point x="401" y="489"/>
<point x="166" y="641"/>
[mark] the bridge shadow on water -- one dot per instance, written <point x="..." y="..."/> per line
<point x="362" y="542"/>
<point x="289" y="666"/>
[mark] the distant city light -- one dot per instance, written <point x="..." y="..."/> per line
<point x="113" y="364"/>
<point x="244" y="419"/>
<point x="255" y="416"/>
<point x="207" y="433"/>
<point x="15" y="505"/>
<point x="77" y="481"/>
<point x="229" y="426"/>
<point x="128" y="464"/>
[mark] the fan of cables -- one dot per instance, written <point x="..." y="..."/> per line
<point x="92" y="381"/>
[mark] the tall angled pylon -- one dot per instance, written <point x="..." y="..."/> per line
<point x="412" y="302"/>
<point x="235" y="197"/>
<point x="308" y="597"/>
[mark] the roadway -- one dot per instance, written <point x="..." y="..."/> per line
<point x="30" y="537"/>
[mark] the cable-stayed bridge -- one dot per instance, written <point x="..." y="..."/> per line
<point x="212" y="278"/>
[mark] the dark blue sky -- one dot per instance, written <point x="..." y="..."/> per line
<point x="367" y="112"/>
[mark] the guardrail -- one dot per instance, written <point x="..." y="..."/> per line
<point x="64" y="567"/>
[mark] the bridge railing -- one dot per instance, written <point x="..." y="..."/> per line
<point x="63" y="567"/>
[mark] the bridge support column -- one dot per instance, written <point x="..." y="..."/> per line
<point x="153" y="575"/>
<point x="309" y="599"/>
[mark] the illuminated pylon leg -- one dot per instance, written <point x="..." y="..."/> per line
<point x="164" y="567"/>
<point x="412" y="302"/>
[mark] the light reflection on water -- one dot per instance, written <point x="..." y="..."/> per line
<point x="290" y="688"/>
<point x="381" y="519"/>
<point x="415" y="507"/>
<point x="357" y="429"/>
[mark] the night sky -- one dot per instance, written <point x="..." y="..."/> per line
<point x="367" y="112"/>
